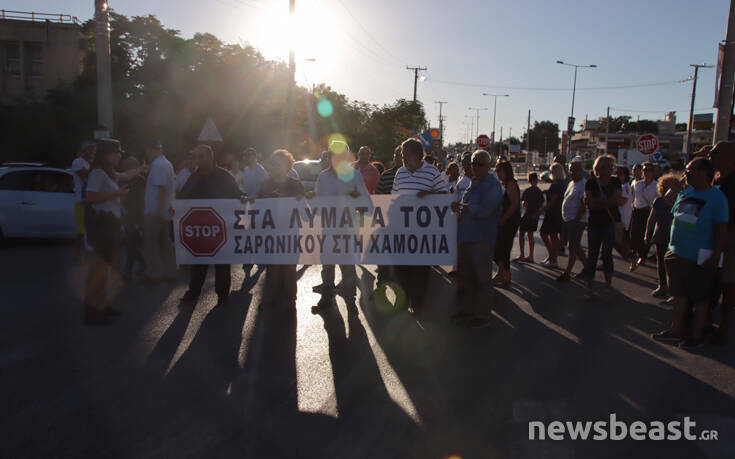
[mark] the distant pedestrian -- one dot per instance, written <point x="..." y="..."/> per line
<point x="132" y="220"/>
<point x="186" y="167"/>
<point x="479" y="214"/>
<point x="280" y="280"/>
<point x="253" y="175"/>
<point x="602" y="193"/>
<point x="369" y="173"/>
<point x="81" y="167"/>
<point x="104" y="200"/>
<point x="379" y="166"/>
<point x="532" y="200"/>
<point x="574" y="214"/>
<point x="551" y="227"/>
<point x="508" y="224"/>
<point x="209" y="182"/>
<point x="419" y="178"/>
<point x="157" y="215"/>
<point x="626" y="211"/>
<point x="385" y="183"/>
<point x="637" y="172"/>
<point x="457" y="184"/>
<point x="723" y="159"/>
<point x="698" y="239"/>
<point x="658" y="227"/>
<point x="644" y="192"/>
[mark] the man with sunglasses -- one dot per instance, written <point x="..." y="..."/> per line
<point x="479" y="213"/>
<point x="698" y="238"/>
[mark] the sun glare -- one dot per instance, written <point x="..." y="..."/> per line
<point x="310" y="31"/>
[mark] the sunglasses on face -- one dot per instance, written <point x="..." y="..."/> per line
<point x="477" y="164"/>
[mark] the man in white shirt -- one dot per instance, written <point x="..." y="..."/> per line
<point x="157" y="213"/>
<point x="645" y="191"/>
<point x="253" y="175"/>
<point x="574" y="214"/>
<point x="340" y="179"/>
<point x="80" y="168"/>
<point x="419" y="178"/>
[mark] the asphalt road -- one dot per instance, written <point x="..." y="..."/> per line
<point x="242" y="380"/>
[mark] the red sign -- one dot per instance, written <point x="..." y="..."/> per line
<point x="647" y="144"/>
<point x="483" y="141"/>
<point x="202" y="231"/>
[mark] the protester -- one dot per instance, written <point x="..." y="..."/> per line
<point x="369" y="173"/>
<point x="625" y="208"/>
<point x="457" y="184"/>
<point x="340" y="179"/>
<point x="552" y="224"/>
<point x="508" y="224"/>
<point x="574" y="214"/>
<point x="132" y="220"/>
<point x="233" y="165"/>
<point x="658" y="227"/>
<point x="157" y="214"/>
<point x="420" y="178"/>
<point x="280" y="280"/>
<point x="209" y="182"/>
<point x="644" y="192"/>
<point x="253" y="175"/>
<point x="637" y="172"/>
<point x="186" y="168"/>
<point x="103" y="198"/>
<point x="532" y="200"/>
<point x="385" y="183"/>
<point x="602" y="193"/>
<point x="467" y="165"/>
<point x="429" y="159"/>
<point x="385" y="186"/>
<point x="80" y="168"/>
<point x="479" y="214"/>
<point x="723" y="159"/>
<point x="698" y="239"/>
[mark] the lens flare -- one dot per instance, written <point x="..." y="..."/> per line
<point x="325" y="108"/>
<point x="337" y="143"/>
<point x="345" y="171"/>
<point x="389" y="298"/>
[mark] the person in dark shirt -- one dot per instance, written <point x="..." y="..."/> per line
<point x="385" y="186"/>
<point x="281" y="279"/>
<point x="132" y="220"/>
<point x="209" y="182"/>
<point x="601" y="195"/>
<point x="723" y="158"/>
<point x="532" y="200"/>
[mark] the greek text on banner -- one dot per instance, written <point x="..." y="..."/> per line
<point x="378" y="229"/>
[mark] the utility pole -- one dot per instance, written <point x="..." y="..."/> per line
<point x="291" y="80"/>
<point x="441" y="121"/>
<point x="495" y="110"/>
<point x="723" y="121"/>
<point x="607" y="131"/>
<point x="570" y="121"/>
<point x="416" y="71"/>
<point x="472" y="127"/>
<point x="691" y="107"/>
<point x="528" y="141"/>
<point x="477" y="111"/>
<point x="104" y="75"/>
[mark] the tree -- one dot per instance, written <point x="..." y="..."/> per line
<point x="544" y="136"/>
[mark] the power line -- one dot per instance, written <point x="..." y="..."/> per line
<point x="657" y="111"/>
<point x="368" y="34"/>
<point x="527" y="88"/>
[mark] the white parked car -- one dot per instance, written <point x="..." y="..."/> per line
<point x="36" y="201"/>
<point x="308" y="170"/>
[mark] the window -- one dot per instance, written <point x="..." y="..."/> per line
<point x="17" y="180"/>
<point x="34" y="58"/>
<point x="12" y="59"/>
<point x="54" y="182"/>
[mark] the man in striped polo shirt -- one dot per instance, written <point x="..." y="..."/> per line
<point x="385" y="184"/>
<point x="417" y="177"/>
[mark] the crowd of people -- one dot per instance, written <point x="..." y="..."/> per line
<point x="124" y="213"/>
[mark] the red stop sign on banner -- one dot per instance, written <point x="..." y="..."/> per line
<point x="647" y="144"/>
<point x="483" y="141"/>
<point x="202" y="231"/>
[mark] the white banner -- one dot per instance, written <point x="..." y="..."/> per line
<point x="379" y="229"/>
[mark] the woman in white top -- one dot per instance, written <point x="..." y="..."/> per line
<point x="626" y="210"/>
<point x="645" y="191"/>
<point x="103" y="196"/>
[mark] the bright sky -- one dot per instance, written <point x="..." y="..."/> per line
<point x="362" y="49"/>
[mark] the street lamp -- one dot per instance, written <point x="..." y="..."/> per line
<point x="570" y="122"/>
<point x="495" y="109"/>
<point x="477" y="111"/>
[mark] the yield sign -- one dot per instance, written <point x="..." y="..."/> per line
<point x="209" y="132"/>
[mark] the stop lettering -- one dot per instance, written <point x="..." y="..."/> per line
<point x="202" y="231"/>
<point x="647" y="144"/>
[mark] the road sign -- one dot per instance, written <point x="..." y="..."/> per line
<point x="483" y="141"/>
<point x="570" y="124"/>
<point x="425" y="139"/>
<point x="657" y="156"/>
<point x="209" y="132"/>
<point x="647" y="144"/>
<point x="435" y="133"/>
<point x="202" y="231"/>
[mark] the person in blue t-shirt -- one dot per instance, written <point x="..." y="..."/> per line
<point x="698" y="236"/>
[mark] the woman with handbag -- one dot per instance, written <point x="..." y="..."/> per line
<point x="602" y="193"/>
<point x="104" y="196"/>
